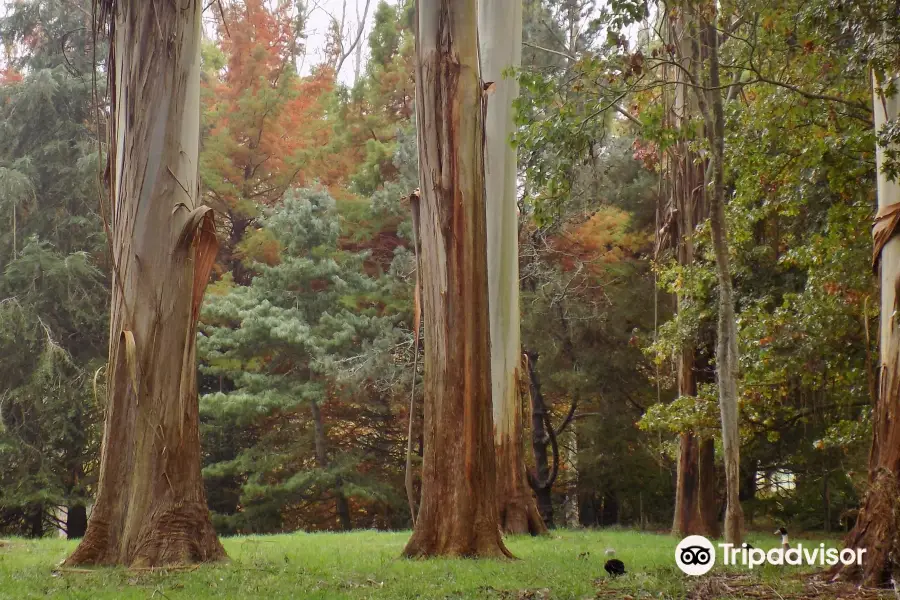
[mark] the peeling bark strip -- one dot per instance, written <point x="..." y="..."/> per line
<point x="417" y="330"/>
<point x="878" y="527"/>
<point x="885" y="228"/>
<point x="458" y="512"/>
<point x="151" y="505"/>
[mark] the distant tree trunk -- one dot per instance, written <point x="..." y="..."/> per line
<point x="541" y="480"/>
<point x="708" y="495"/>
<point x="342" y="507"/>
<point x="609" y="515"/>
<point x="343" y="510"/>
<point x="76" y="521"/>
<point x="687" y="488"/>
<point x="570" y="505"/>
<point x="151" y="504"/>
<point x="726" y="343"/>
<point x="877" y="527"/>
<point x="748" y="487"/>
<point x="458" y="511"/>
<point x="36" y="521"/>
<point x="516" y="506"/>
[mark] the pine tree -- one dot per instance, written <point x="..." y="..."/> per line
<point x="53" y="288"/>
<point x="289" y="343"/>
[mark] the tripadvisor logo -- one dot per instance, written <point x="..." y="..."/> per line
<point x="695" y="555"/>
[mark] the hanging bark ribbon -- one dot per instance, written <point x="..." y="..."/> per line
<point x="883" y="230"/>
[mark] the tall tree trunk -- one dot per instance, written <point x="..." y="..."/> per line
<point x="151" y="504"/>
<point x="688" y="209"/>
<point x="877" y="528"/>
<point x="726" y="343"/>
<point x="516" y="506"/>
<point x="458" y="512"/>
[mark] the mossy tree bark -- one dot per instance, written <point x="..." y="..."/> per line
<point x="151" y="505"/>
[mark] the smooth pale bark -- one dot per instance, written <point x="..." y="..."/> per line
<point x="151" y="505"/>
<point x="458" y="511"/>
<point x="500" y="38"/>
<point x="726" y="343"/>
<point x="878" y="527"/>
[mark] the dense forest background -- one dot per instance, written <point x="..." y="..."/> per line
<point x="306" y="343"/>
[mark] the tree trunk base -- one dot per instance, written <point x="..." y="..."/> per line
<point x="181" y="535"/>
<point x="878" y="531"/>
<point x="687" y="519"/>
<point x="516" y="506"/>
<point x="709" y="509"/>
<point x="519" y="516"/>
<point x="428" y="544"/>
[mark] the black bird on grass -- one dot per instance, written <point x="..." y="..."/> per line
<point x="614" y="567"/>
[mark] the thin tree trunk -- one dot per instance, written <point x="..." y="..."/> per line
<point x="826" y="501"/>
<point x="877" y="527"/>
<point x="342" y="507"/>
<point x="516" y="506"/>
<point x="708" y="497"/>
<point x="541" y="478"/>
<point x="36" y="521"/>
<point x="726" y="344"/>
<point x="343" y="510"/>
<point x="151" y="504"/>
<point x="570" y="505"/>
<point x="458" y="512"/>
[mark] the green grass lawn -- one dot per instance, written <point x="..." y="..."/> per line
<point x="367" y="564"/>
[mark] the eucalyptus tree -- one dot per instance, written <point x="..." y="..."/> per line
<point x="458" y="514"/>
<point x="151" y="504"/>
<point x="877" y="529"/>
<point x="499" y="55"/>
